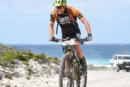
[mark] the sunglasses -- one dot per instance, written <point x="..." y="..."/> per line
<point x="59" y="7"/>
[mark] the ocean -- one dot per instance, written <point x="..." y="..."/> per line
<point x="97" y="54"/>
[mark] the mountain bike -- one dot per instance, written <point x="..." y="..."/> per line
<point x="73" y="78"/>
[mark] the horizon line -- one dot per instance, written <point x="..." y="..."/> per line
<point x="81" y="44"/>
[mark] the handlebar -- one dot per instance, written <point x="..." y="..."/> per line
<point x="76" y="39"/>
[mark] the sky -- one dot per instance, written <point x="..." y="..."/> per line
<point x="27" y="21"/>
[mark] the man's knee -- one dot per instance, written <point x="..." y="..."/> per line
<point x="77" y="48"/>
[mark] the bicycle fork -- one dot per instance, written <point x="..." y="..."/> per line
<point x="71" y="70"/>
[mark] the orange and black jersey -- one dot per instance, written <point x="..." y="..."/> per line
<point x="75" y="13"/>
<point x="67" y="25"/>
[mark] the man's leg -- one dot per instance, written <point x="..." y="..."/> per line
<point x="67" y="63"/>
<point x="67" y="60"/>
<point x="81" y="57"/>
<point x="78" y="51"/>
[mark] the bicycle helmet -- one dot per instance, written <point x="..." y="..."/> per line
<point x="60" y="3"/>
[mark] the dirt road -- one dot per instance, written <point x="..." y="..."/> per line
<point x="104" y="78"/>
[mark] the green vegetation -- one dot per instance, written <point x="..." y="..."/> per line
<point x="56" y="60"/>
<point x="28" y="77"/>
<point x="8" y="75"/>
<point x="2" y="64"/>
<point x="44" y="67"/>
<point x="41" y="73"/>
<point x="29" y="68"/>
<point x="13" y="66"/>
<point x="8" y="54"/>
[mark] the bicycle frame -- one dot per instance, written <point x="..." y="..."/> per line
<point x="73" y="55"/>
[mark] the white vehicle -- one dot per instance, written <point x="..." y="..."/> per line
<point x="120" y="62"/>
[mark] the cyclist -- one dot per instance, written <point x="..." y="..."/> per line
<point x="66" y="17"/>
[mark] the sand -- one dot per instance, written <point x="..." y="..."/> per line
<point x="104" y="78"/>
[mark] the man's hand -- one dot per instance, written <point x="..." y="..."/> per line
<point x="51" y="38"/>
<point x="89" y="38"/>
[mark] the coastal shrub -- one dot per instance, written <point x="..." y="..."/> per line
<point x="56" y="60"/>
<point x="40" y="56"/>
<point x="13" y="66"/>
<point x="8" y="56"/>
<point x="28" y="77"/>
<point x="11" y="48"/>
<point x="8" y="75"/>
<point x="44" y="67"/>
<point x="2" y="53"/>
<point x="24" y="52"/>
<point x="2" y="64"/>
<point x="48" y="59"/>
<point x="21" y="57"/>
<point x="29" y="68"/>
<point x="27" y="55"/>
<point x="35" y="59"/>
<point x="41" y="73"/>
<point x="25" y="62"/>
<point x="31" y="55"/>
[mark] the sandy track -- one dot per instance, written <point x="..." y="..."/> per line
<point x="108" y="79"/>
<point x="101" y="79"/>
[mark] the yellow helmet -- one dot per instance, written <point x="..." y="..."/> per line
<point x="60" y="3"/>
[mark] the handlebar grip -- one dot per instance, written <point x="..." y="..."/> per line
<point x="84" y="39"/>
<point x="56" y="40"/>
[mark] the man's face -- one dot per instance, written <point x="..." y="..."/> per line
<point x="60" y="10"/>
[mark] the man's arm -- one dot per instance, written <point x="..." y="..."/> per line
<point x="51" y="31"/>
<point x="85" y="22"/>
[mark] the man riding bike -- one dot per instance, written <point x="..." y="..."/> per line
<point x="66" y="17"/>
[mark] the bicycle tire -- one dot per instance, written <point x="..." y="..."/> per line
<point x="61" y="73"/>
<point x="85" y="76"/>
<point x="61" y="70"/>
<point x="78" y="74"/>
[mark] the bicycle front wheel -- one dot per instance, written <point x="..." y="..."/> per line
<point x="83" y="78"/>
<point x="64" y="80"/>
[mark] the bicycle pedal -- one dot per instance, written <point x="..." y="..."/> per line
<point x="83" y="75"/>
<point x="66" y="75"/>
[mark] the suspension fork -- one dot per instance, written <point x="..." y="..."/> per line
<point x="71" y="64"/>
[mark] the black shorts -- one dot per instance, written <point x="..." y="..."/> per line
<point x="71" y="35"/>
